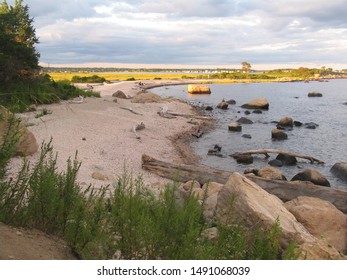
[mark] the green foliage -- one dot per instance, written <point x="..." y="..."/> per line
<point x="8" y="141"/>
<point x="18" y="56"/>
<point x="43" y="90"/>
<point x="131" y="79"/>
<point x="87" y="79"/>
<point x="125" y="217"/>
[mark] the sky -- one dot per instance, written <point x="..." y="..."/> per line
<point x="265" y="33"/>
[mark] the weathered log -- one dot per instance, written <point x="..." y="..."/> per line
<point x="269" y="151"/>
<point x="284" y="190"/>
<point x="131" y="110"/>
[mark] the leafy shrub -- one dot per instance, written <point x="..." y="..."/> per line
<point x="88" y="79"/>
<point x="131" y="79"/>
<point x="126" y="217"/>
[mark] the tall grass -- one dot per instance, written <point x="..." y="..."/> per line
<point x="125" y="217"/>
<point x="43" y="90"/>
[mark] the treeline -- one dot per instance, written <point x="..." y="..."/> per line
<point x="21" y="80"/>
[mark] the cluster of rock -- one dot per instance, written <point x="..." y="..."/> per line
<point x="199" y="89"/>
<point x="316" y="226"/>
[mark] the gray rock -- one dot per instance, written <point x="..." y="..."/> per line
<point x="275" y="163"/>
<point x="235" y="126"/>
<point x="247" y="136"/>
<point x="340" y="170"/>
<point x="312" y="175"/>
<point x="231" y="102"/>
<point x="244" y="120"/>
<point x="243" y="159"/>
<point x="277" y="134"/>
<point x="311" y="125"/>
<point x="119" y="94"/>
<point x="315" y="94"/>
<point x="286" y="159"/>
<point x="259" y="103"/>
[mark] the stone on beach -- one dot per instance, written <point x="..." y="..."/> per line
<point x="278" y="134"/>
<point x="146" y="97"/>
<point x="235" y="126"/>
<point x="313" y="176"/>
<point x="339" y="169"/>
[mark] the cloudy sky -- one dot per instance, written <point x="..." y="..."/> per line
<point x="266" y="33"/>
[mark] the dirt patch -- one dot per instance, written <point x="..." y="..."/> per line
<point x="31" y="244"/>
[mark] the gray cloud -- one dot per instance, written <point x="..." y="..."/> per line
<point x="223" y="32"/>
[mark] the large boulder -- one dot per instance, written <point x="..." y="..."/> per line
<point x="322" y="219"/>
<point x="339" y="169"/>
<point x="198" y="89"/>
<point x="146" y="97"/>
<point x="27" y="144"/>
<point x="241" y="200"/>
<point x="212" y="188"/>
<point x="271" y="173"/>
<point x="312" y="175"/>
<point x="259" y="103"/>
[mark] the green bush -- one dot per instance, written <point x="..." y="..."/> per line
<point x="126" y="217"/>
<point x="88" y="79"/>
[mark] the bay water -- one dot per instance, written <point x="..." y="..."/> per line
<point x="328" y="142"/>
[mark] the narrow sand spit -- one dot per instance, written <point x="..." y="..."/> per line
<point x="102" y="133"/>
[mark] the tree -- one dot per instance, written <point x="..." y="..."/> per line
<point x="246" y="67"/>
<point x="18" y="56"/>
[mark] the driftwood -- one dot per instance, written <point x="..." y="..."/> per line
<point x="269" y="151"/>
<point x="137" y="128"/>
<point x="131" y="110"/>
<point x="170" y="115"/>
<point x="282" y="189"/>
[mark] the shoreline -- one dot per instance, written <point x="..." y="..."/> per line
<point x="102" y="133"/>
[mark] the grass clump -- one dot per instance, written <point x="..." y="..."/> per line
<point x="125" y="218"/>
<point x="88" y="79"/>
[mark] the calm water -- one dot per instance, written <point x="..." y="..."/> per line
<point x="327" y="142"/>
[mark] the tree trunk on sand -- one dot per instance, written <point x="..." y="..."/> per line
<point x="284" y="190"/>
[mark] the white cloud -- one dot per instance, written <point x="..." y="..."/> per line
<point x="190" y="31"/>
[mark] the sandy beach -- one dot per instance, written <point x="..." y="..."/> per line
<point x="101" y="130"/>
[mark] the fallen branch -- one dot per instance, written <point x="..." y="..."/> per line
<point x="282" y="189"/>
<point x="266" y="152"/>
<point x="131" y="110"/>
<point x="190" y="116"/>
<point x="166" y="115"/>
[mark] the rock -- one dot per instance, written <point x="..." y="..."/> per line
<point x="27" y="144"/>
<point x="120" y="94"/>
<point x="198" y="193"/>
<point x="278" y="134"/>
<point x="235" y="126"/>
<point x="311" y="125"/>
<point x="198" y="89"/>
<point x="244" y="159"/>
<point x="231" y="102"/>
<point x="322" y="219"/>
<point x="318" y="250"/>
<point x="311" y="175"/>
<point x="297" y="123"/>
<point x="314" y="94"/>
<point x="223" y="105"/>
<point x="211" y="188"/>
<point x="188" y="186"/>
<point x="210" y="234"/>
<point x="209" y="108"/>
<point x="244" y="120"/>
<point x="271" y="173"/>
<point x="247" y="136"/>
<point x="339" y="169"/>
<point x="100" y="176"/>
<point x="257" y="112"/>
<point x="247" y="112"/>
<point x="286" y="122"/>
<point x="209" y="207"/>
<point x="259" y="103"/>
<point x="254" y="206"/>
<point x="251" y="170"/>
<point x="146" y="97"/>
<point x="115" y="100"/>
<point x="287" y="159"/>
<point x="275" y="163"/>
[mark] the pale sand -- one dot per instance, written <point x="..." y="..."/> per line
<point x="102" y="134"/>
